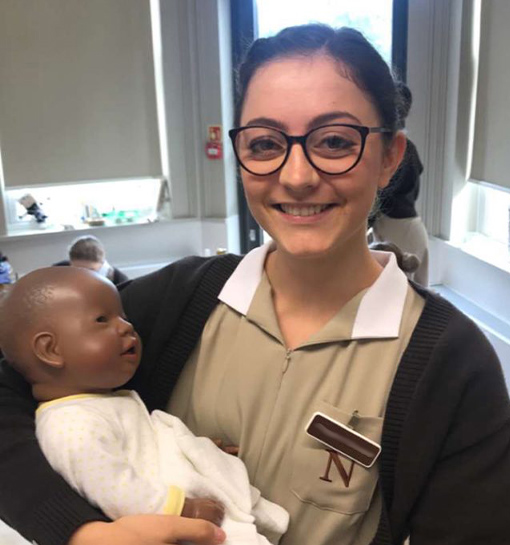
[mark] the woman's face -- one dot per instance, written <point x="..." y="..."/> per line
<point x="308" y="213"/>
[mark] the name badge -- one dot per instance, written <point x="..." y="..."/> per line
<point x="343" y="439"/>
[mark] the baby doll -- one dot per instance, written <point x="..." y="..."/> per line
<point x="64" y="329"/>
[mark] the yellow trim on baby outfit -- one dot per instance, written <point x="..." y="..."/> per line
<point x="174" y="501"/>
<point x="46" y="404"/>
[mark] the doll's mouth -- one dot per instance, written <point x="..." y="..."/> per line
<point x="131" y="350"/>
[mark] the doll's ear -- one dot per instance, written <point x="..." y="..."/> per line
<point x="45" y="347"/>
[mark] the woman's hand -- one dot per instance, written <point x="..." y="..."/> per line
<point x="149" y="530"/>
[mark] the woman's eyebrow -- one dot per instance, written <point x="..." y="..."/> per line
<point x="267" y="122"/>
<point x="322" y="119"/>
<point x="332" y="116"/>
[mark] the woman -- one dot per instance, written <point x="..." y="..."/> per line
<point x="312" y="324"/>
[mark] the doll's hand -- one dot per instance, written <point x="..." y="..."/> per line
<point x="204" y="508"/>
<point x="230" y="449"/>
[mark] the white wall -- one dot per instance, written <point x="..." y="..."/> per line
<point x="125" y="246"/>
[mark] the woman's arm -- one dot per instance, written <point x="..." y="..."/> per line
<point x="460" y="441"/>
<point x="40" y="505"/>
<point x="34" y="499"/>
<point x="149" y="530"/>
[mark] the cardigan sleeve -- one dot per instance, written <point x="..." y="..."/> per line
<point x="34" y="500"/>
<point x="461" y="443"/>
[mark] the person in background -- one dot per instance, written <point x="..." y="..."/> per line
<point x="309" y="336"/>
<point x="88" y="252"/>
<point x="396" y="219"/>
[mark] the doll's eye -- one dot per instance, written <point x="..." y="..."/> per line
<point x="101" y="319"/>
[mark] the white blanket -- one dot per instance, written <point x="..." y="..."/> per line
<point x="124" y="460"/>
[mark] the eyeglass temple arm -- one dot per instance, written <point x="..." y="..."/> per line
<point x="378" y="129"/>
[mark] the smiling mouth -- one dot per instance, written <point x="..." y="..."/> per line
<point x="303" y="211"/>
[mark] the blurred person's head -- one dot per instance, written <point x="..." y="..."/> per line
<point x="87" y="252"/>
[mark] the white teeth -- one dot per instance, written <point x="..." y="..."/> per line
<point x="303" y="210"/>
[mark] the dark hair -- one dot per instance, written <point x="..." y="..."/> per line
<point x="404" y="102"/>
<point x="347" y="46"/>
<point x="87" y="248"/>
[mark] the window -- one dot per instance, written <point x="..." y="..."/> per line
<point x="78" y="206"/>
<point x="372" y="17"/>
<point x="78" y="103"/>
<point x="481" y="210"/>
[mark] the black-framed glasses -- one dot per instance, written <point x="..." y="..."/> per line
<point x="332" y="149"/>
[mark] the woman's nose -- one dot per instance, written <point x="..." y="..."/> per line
<point x="297" y="174"/>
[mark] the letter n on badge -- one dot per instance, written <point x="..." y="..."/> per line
<point x="335" y="458"/>
<point x="341" y="439"/>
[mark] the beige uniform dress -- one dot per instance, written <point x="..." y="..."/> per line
<point x="242" y="385"/>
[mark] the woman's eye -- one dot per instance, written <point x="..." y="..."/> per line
<point x="264" y="146"/>
<point x="101" y="319"/>
<point x="336" y="143"/>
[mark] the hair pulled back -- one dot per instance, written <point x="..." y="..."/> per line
<point x="363" y="64"/>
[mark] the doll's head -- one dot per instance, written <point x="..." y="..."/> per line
<point x="64" y="329"/>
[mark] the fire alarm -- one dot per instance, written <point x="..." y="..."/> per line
<point x="214" y="150"/>
<point x="214" y="144"/>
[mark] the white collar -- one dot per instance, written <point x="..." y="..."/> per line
<point x="379" y="313"/>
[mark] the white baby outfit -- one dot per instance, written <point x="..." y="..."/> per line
<point x="126" y="461"/>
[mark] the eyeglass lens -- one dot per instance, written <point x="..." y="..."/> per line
<point x="333" y="149"/>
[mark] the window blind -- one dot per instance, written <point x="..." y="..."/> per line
<point x="491" y="146"/>
<point x="77" y="91"/>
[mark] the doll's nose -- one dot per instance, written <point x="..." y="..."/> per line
<point x="125" y="327"/>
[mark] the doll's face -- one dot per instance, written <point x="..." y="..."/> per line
<point x="99" y="348"/>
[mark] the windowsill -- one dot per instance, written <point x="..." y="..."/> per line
<point x="30" y="231"/>
<point x="496" y="329"/>
<point x="477" y="276"/>
<point x="487" y="249"/>
<point x="481" y="316"/>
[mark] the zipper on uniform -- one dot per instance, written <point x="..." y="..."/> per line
<point x="286" y="361"/>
